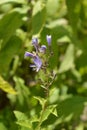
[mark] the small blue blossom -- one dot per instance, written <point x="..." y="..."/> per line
<point x="48" y="38"/>
<point x="35" y="43"/>
<point x="37" y="61"/>
<point x="28" y="54"/>
<point x="34" y="40"/>
<point x="42" y="49"/>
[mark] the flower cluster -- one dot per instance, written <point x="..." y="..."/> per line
<point x="37" y="61"/>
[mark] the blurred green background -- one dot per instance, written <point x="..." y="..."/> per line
<point x="66" y="21"/>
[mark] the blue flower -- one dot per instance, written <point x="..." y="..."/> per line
<point x="48" y="38"/>
<point x="42" y="49"/>
<point x="28" y="54"/>
<point x="35" y="43"/>
<point x="37" y="61"/>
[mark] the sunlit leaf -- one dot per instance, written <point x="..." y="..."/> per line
<point x="49" y="110"/>
<point x="5" y="86"/>
<point x="15" y="1"/>
<point x="22" y="119"/>
<point x="20" y="116"/>
<point x="68" y="60"/>
<point x="42" y="101"/>
<point x="2" y="126"/>
<point x="52" y="7"/>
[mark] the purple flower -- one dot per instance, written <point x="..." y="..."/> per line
<point x="28" y="54"/>
<point x="48" y="38"/>
<point x="37" y="61"/>
<point x="42" y="49"/>
<point x="35" y="43"/>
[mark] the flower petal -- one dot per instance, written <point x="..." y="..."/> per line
<point x="38" y="63"/>
<point x="42" y="49"/>
<point x="48" y="38"/>
<point x="32" y="65"/>
<point x="34" y="40"/>
<point x="28" y="54"/>
<point x="35" y="43"/>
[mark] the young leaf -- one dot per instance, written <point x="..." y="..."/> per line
<point x="23" y="120"/>
<point x="68" y="61"/>
<point x="42" y="101"/>
<point x="5" y="86"/>
<point x="20" y="116"/>
<point x="48" y="111"/>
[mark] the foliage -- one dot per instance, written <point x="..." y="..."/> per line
<point x="56" y="99"/>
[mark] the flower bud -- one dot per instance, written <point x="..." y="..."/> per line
<point x="42" y="49"/>
<point x="48" y="38"/>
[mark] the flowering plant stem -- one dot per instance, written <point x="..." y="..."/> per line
<point x="40" y="62"/>
<point x="45" y="103"/>
<point x="41" y="116"/>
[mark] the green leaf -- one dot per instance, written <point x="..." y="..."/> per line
<point x="6" y="87"/>
<point x="54" y="112"/>
<point x="23" y="120"/>
<point x="52" y="7"/>
<point x="8" y="25"/>
<point x="8" y="52"/>
<point x="20" y="116"/>
<point x="2" y="126"/>
<point x="68" y="60"/>
<point x="14" y="1"/>
<point x="57" y="30"/>
<point x="71" y="106"/>
<point x="23" y="93"/>
<point x="42" y="101"/>
<point x="38" y="17"/>
<point x="50" y="109"/>
<point x="74" y="12"/>
<point x="81" y="59"/>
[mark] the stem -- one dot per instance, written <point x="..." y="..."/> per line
<point x="49" y="83"/>
<point x="40" y="121"/>
<point x="46" y="88"/>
